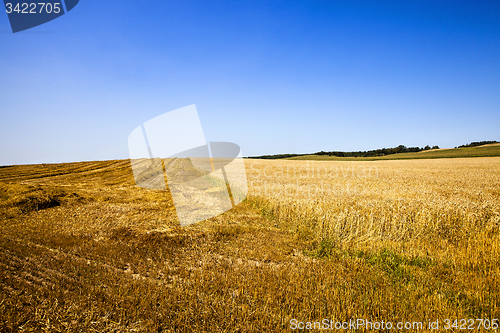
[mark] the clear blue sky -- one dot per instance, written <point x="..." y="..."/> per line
<point x="271" y="76"/>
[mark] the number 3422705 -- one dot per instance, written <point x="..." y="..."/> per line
<point x="34" y="8"/>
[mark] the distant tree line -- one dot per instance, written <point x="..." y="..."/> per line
<point x="272" y="157"/>
<point x="370" y="153"/>
<point x="377" y="152"/>
<point x="475" y="144"/>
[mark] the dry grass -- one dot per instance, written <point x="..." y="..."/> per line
<point x="83" y="249"/>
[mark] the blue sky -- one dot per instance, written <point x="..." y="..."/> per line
<point x="271" y="76"/>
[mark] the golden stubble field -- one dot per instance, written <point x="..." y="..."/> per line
<point x="84" y="249"/>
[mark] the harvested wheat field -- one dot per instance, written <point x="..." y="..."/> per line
<point x="82" y="248"/>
